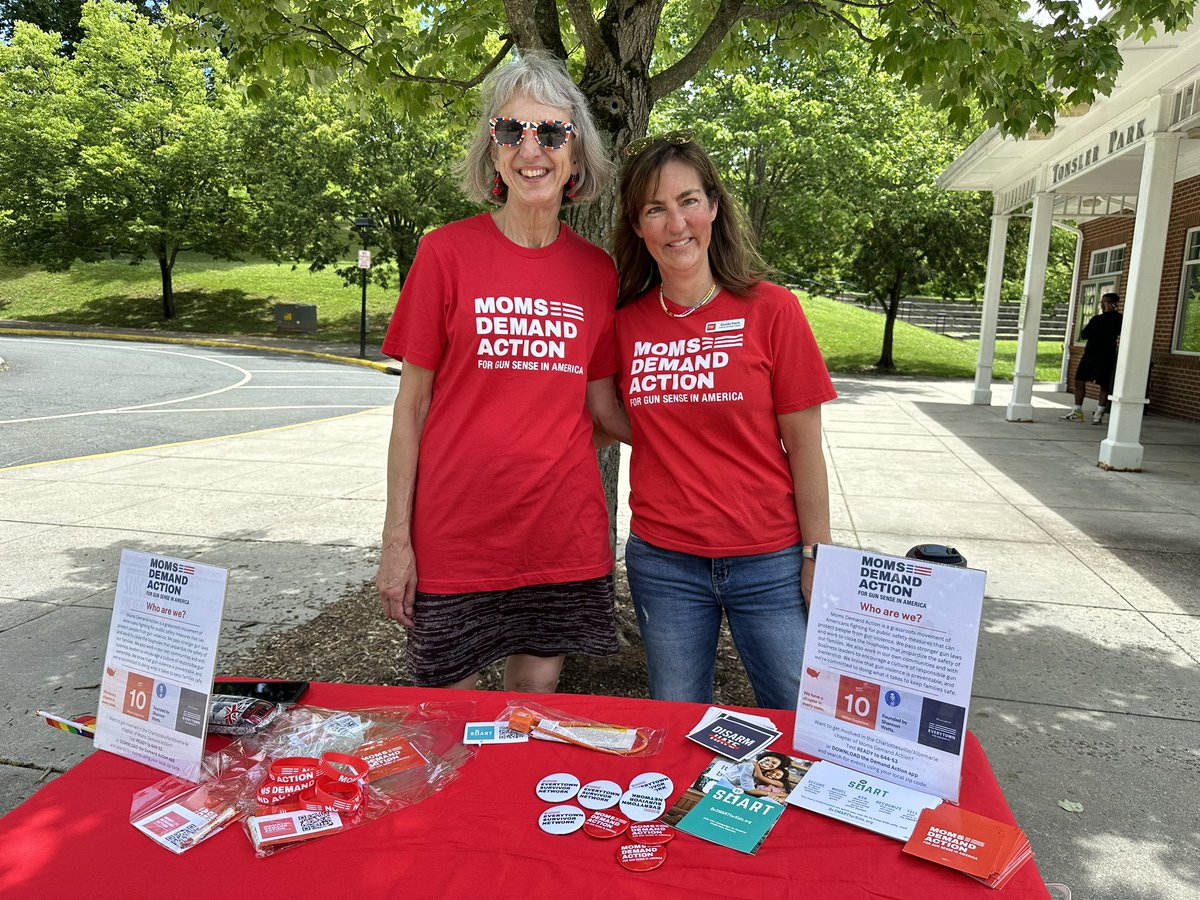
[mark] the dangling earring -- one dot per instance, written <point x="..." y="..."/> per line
<point x="569" y="187"/>
<point x="498" y="186"/>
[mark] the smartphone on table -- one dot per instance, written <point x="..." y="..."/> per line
<point x="274" y="691"/>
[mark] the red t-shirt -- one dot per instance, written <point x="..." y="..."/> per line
<point x="708" y="474"/>
<point x="508" y="490"/>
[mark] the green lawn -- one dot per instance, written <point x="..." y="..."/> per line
<point x="236" y="298"/>
<point x="851" y="338"/>
<point x="212" y="296"/>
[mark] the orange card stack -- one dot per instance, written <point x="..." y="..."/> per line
<point x="987" y="850"/>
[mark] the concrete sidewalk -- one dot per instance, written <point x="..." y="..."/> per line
<point x="1087" y="685"/>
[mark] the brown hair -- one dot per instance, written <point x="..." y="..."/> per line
<point x="735" y="263"/>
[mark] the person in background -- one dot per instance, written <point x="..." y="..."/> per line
<point x="1099" y="360"/>
<point x="495" y="540"/>
<point x="723" y="383"/>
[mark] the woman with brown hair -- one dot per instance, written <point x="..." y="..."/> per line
<point x="723" y="384"/>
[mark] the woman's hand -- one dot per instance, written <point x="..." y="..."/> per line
<point x="806" y="580"/>
<point x="397" y="576"/>
<point x="801" y="435"/>
<point x="609" y="419"/>
<point x="397" y="582"/>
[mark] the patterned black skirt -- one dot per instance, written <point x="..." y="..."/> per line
<point x="456" y="635"/>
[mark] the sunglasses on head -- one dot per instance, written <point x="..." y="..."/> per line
<point x="551" y="134"/>
<point x="679" y="136"/>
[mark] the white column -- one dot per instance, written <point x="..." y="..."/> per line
<point x="1122" y="449"/>
<point x="1020" y="408"/>
<point x="1068" y="339"/>
<point x="982" y="394"/>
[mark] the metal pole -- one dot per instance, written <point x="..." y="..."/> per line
<point x="362" y="323"/>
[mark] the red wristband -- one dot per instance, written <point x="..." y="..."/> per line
<point x="334" y="766"/>
<point x="327" y="794"/>
<point x="282" y="769"/>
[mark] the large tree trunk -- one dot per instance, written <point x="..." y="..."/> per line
<point x="168" y="291"/>
<point x="891" y="305"/>
<point x="620" y="103"/>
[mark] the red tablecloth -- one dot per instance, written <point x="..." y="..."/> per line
<point x="478" y="837"/>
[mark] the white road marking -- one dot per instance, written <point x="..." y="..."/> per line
<point x="246" y="376"/>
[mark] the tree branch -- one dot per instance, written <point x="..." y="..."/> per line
<point x="404" y="74"/>
<point x="730" y="12"/>
<point x="535" y="25"/>
<point x="676" y="76"/>
<point x="587" y="28"/>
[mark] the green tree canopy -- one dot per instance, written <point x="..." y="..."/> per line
<point x="314" y="161"/>
<point x="835" y="162"/>
<point x="125" y="148"/>
<point x="1016" y="69"/>
<point x="909" y="230"/>
<point x="966" y="57"/>
<point x="62" y="17"/>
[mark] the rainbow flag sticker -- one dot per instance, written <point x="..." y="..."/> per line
<point x="81" y="725"/>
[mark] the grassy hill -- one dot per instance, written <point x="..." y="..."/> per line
<point x="851" y="338"/>
<point x="237" y="298"/>
<point x="211" y="296"/>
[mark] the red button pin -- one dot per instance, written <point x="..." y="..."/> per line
<point x="601" y="824"/>
<point x="640" y="857"/>
<point x="651" y="833"/>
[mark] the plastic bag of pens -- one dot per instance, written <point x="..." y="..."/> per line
<point x="312" y="772"/>
<point x="548" y="724"/>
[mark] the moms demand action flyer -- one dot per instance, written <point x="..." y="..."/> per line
<point x="888" y="665"/>
<point x="162" y="648"/>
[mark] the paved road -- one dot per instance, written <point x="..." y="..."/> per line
<point x="63" y="398"/>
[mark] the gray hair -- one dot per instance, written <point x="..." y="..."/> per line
<point x="545" y="80"/>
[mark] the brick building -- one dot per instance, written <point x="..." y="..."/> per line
<point x="1123" y="174"/>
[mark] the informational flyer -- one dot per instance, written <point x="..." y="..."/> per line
<point x="732" y="818"/>
<point x="158" y="671"/>
<point x="888" y="665"/>
<point x="870" y="803"/>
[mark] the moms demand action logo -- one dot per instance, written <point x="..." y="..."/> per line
<point x="686" y="365"/>
<point x="526" y="326"/>
<point x="894" y="577"/>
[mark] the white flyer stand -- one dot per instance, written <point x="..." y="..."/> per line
<point x="888" y="665"/>
<point x="158" y="671"/>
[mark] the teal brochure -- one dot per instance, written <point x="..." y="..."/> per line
<point x="731" y="818"/>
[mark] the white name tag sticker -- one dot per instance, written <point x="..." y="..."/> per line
<point x="724" y="325"/>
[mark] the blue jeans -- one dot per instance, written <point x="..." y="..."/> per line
<point x="679" y="598"/>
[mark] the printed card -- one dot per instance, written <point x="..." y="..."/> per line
<point x="492" y="733"/>
<point x="983" y="848"/>
<point x="732" y="818"/>
<point x="872" y="803"/>
<point x="734" y="737"/>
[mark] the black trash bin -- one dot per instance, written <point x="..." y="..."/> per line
<point x="938" y="553"/>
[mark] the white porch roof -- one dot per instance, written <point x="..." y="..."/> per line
<point x="1092" y="158"/>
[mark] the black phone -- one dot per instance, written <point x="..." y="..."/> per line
<point x="275" y="691"/>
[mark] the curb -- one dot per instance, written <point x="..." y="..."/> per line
<point x="196" y="342"/>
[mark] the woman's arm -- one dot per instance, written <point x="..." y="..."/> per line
<point x="609" y="419"/>
<point x="397" y="576"/>
<point x="801" y="434"/>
